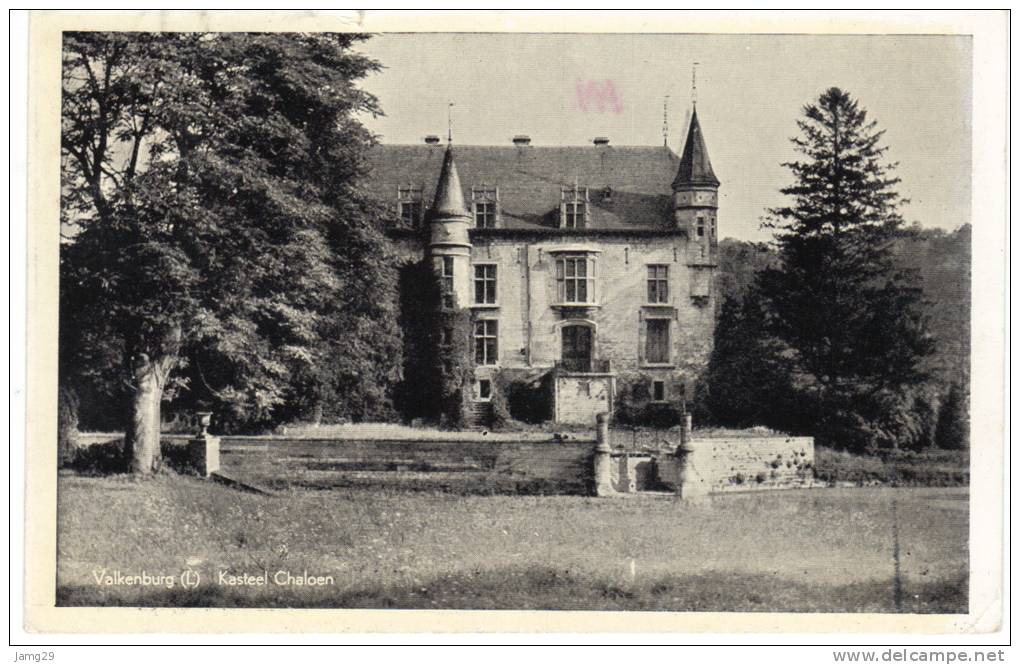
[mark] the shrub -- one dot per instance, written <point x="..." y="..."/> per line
<point x="952" y="428"/>
<point x="867" y="420"/>
<point x="99" y="459"/>
<point x="893" y="467"/>
<point x="500" y="404"/>
<point x="634" y="405"/>
<point x="522" y="395"/>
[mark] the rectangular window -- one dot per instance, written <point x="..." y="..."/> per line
<point x="485" y="285"/>
<point x="448" y="301"/>
<point x="574" y="207"/>
<point x="701" y="227"/>
<point x="575" y="279"/>
<point x="486" y="206"/>
<point x="485" y="215"/>
<point x="658" y="391"/>
<point x="658" y="284"/>
<point x="657" y="341"/>
<point x="409" y="205"/>
<point x="573" y="215"/>
<point x="410" y="212"/>
<point x="486" y="346"/>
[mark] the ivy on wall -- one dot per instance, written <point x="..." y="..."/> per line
<point x="437" y="359"/>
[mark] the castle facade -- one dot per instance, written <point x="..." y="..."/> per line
<point x="588" y="270"/>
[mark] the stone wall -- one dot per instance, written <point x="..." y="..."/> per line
<point x="530" y="324"/>
<point x="468" y="466"/>
<point x="633" y="472"/>
<point x="753" y="463"/>
<point x="579" y="399"/>
<point x="723" y="464"/>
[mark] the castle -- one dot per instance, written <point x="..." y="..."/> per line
<point x="586" y="270"/>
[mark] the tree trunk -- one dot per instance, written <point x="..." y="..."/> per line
<point x="67" y="432"/>
<point x="142" y="436"/>
<point x="317" y="413"/>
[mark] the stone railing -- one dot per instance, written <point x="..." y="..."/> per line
<point x="595" y="366"/>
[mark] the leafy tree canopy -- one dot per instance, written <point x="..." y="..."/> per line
<point x="217" y="233"/>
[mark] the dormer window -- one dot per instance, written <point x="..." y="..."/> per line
<point x="574" y="207"/>
<point x="485" y="202"/>
<point x="409" y="206"/>
<point x="573" y="215"/>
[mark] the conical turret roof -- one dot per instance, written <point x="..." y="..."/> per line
<point x="449" y="201"/>
<point x="695" y="167"/>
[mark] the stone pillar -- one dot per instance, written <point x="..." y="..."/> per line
<point x="603" y="474"/>
<point x="203" y="448"/>
<point x="693" y="485"/>
<point x="204" y="454"/>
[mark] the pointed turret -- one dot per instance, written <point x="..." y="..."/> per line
<point x="449" y="201"/>
<point x="696" y="192"/>
<point x="449" y="243"/>
<point x="695" y="167"/>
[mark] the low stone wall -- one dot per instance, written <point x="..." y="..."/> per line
<point x="475" y="466"/>
<point x="714" y="465"/>
<point x="86" y="439"/>
<point x="753" y="463"/>
<point x="469" y="466"/>
<point x="722" y="464"/>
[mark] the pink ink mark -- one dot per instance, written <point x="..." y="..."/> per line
<point x="600" y="95"/>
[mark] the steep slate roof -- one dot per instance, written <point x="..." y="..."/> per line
<point x="530" y="179"/>
<point x="449" y="201"/>
<point x="695" y="168"/>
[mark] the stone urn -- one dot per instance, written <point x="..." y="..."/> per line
<point x="204" y="419"/>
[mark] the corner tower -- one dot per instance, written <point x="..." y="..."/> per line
<point x="696" y="190"/>
<point x="449" y="244"/>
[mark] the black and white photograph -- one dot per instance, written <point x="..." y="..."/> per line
<point x="635" y="322"/>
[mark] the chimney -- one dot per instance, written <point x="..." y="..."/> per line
<point x="522" y="139"/>
<point x="601" y="140"/>
<point x="432" y="139"/>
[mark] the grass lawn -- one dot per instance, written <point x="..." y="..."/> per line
<point x="828" y="550"/>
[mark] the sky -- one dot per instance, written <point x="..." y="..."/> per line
<point x="751" y="89"/>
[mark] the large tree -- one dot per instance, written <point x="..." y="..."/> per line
<point x="215" y="230"/>
<point x="747" y="382"/>
<point x="853" y="322"/>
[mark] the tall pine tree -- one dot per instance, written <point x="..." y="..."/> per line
<point x="854" y="324"/>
